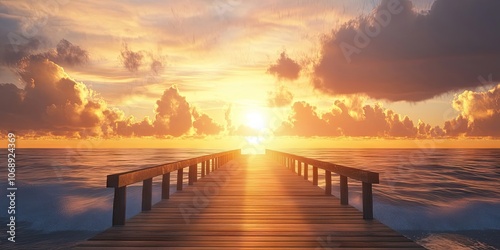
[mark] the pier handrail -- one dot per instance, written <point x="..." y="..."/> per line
<point x="120" y="181"/>
<point x="366" y="177"/>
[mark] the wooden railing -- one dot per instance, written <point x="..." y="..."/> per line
<point x="366" y="177"/>
<point x="120" y="181"/>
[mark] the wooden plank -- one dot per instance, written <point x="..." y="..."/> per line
<point x="254" y="204"/>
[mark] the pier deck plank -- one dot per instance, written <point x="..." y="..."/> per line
<point x="251" y="203"/>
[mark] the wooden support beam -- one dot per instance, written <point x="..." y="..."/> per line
<point x="328" y="182"/>
<point x="192" y="174"/>
<point x="203" y="169"/>
<point x="344" y="191"/>
<point x="180" y="178"/>
<point x="367" y="201"/>
<point x="315" y="175"/>
<point x="299" y="168"/>
<point x="119" y="206"/>
<point x="306" y="171"/>
<point x="165" y="186"/>
<point x="147" y="194"/>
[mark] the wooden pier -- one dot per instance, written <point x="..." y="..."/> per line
<point x="269" y="201"/>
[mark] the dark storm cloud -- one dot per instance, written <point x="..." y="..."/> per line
<point x="398" y="54"/>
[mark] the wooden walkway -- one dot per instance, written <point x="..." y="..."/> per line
<point x="251" y="202"/>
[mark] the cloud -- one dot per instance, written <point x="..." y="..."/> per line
<point x="285" y="68"/>
<point x="50" y="101"/>
<point x="304" y="121"/>
<point x="204" y="125"/>
<point x="68" y="54"/>
<point x="156" y="66"/>
<point x="351" y="117"/>
<point x="12" y="55"/>
<point x="131" y="60"/>
<point x="173" y="114"/>
<point x="479" y="113"/>
<point x="425" y="130"/>
<point x="65" y="53"/>
<point x="457" y="126"/>
<point x="280" y="97"/>
<point x="397" y="54"/>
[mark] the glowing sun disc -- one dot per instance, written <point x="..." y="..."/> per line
<point x="255" y="120"/>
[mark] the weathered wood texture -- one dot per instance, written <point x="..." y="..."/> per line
<point x="252" y="203"/>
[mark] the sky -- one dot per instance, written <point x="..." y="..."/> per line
<point x="233" y="73"/>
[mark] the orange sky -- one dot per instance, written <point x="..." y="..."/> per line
<point x="220" y="74"/>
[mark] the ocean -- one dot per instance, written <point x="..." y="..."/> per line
<point x="441" y="198"/>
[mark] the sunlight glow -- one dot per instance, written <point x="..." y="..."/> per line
<point x="255" y="120"/>
<point x="255" y="145"/>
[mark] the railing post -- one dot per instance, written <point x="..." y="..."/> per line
<point x="203" y="169"/>
<point x="147" y="193"/>
<point x="299" y="168"/>
<point x="165" y="186"/>
<point x="306" y="171"/>
<point x="344" y="191"/>
<point x="192" y="174"/>
<point x="367" y="201"/>
<point x="119" y="205"/>
<point x="180" y="177"/>
<point x="195" y="172"/>
<point x="315" y="175"/>
<point x="328" y="182"/>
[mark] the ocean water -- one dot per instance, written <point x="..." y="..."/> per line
<point x="441" y="198"/>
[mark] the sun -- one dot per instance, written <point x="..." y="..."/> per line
<point x="255" y="120"/>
